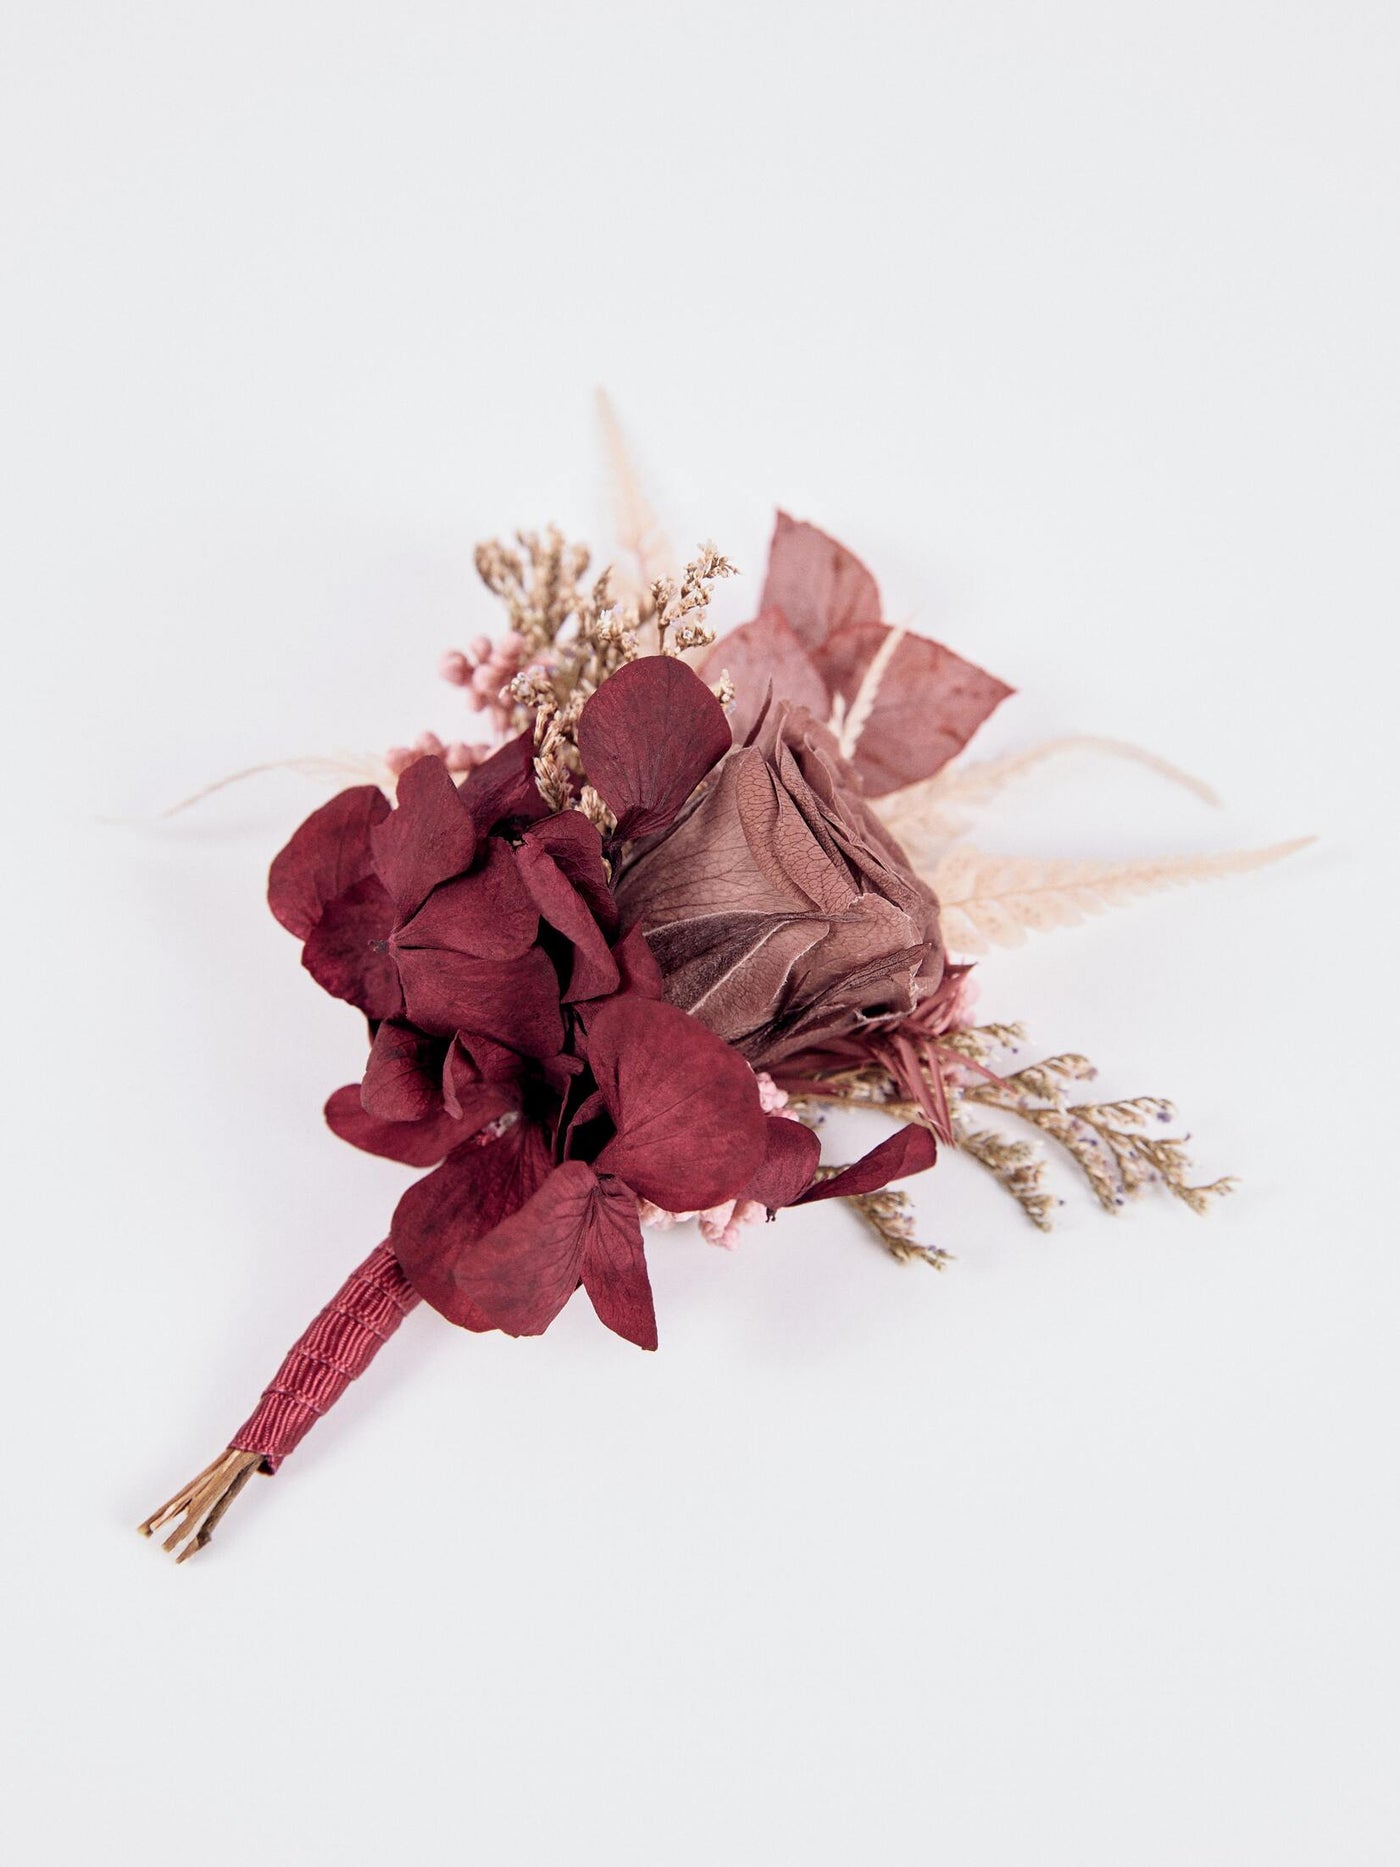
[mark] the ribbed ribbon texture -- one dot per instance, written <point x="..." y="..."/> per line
<point x="341" y="1343"/>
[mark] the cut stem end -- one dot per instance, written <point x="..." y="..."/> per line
<point x="197" y="1507"/>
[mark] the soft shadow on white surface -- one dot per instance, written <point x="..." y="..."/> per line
<point x="1079" y="325"/>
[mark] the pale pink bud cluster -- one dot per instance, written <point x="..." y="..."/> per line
<point x="485" y="669"/>
<point x="720" y="1225"/>
<point x="457" y="756"/>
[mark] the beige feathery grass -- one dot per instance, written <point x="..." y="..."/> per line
<point x="992" y="901"/>
<point x="639" y="534"/>
<point x="931" y="813"/>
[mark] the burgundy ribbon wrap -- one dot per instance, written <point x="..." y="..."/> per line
<point x="340" y="1344"/>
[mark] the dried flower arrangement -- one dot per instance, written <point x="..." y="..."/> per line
<point x="617" y="961"/>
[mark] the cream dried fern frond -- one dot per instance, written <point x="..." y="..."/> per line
<point x="997" y="900"/>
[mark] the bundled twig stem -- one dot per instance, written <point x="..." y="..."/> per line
<point x="197" y="1507"/>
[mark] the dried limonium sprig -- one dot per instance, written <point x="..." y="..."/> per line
<point x="1113" y="1144"/>
<point x="890" y="1214"/>
<point x="566" y="637"/>
<point x="682" y="621"/>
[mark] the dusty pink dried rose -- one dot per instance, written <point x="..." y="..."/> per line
<point x="779" y="908"/>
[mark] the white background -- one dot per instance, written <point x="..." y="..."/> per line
<point x="1079" y="323"/>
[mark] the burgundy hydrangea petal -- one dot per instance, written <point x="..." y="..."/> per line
<point x="787" y="1167"/>
<point x="594" y="970"/>
<point x="488" y="914"/>
<point x="690" y="1129"/>
<point x="429" y="838"/>
<point x="347" y="952"/>
<point x="472" y="1058"/>
<point x="502" y="788"/>
<point x="911" y="1150"/>
<point x="521" y="1273"/>
<point x="515" y="1002"/>
<point x="647" y="737"/>
<point x="590" y="1109"/>
<point x="440" y="1219"/>
<point x="327" y="855"/>
<point x="614" y="1265"/>
<point x="818" y="584"/>
<point x="416" y="1143"/>
<point x="636" y="964"/>
<point x="577" y="849"/>
<point x="761" y="654"/>
<point x="403" y="1078"/>
<point x="926" y="708"/>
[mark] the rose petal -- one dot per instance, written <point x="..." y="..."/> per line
<point x="647" y="737"/>
<point x="926" y="708"/>
<point x="732" y="971"/>
<point x="911" y="1150"/>
<point x="439" y="1219"/>
<point x="705" y="865"/>
<point x="429" y="838"/>
<point x="403" y="1078"/>
<point x="690" y="1129"/>
<point x="787" y="1167"/>
<point x="782" y="843"/>
<point x="328" y="854"/>
<point x="817" y="584"/>
<point x="347" y="951"/>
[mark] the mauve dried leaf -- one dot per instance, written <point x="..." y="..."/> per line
<point x="926" y="708"/>
<point x="327" y="854"/>
<point x="647" y="738"/>
<point x="818" y="643"/>
<point x="764" y="654"/>
<point x="817" y="584"/>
